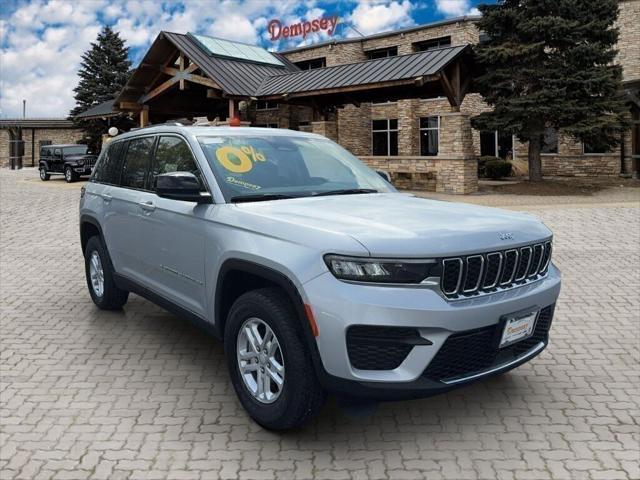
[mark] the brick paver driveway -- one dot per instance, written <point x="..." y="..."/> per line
<point x="142" y="394"/>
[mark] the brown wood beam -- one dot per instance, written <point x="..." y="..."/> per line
<point x="159" y="89"/>
<point x="199" y="79"/>
<point x="448" y="90"/>
<point x="133" y="106"/>
<point x="456" y="82"/>
<point x="144" y="116"/>
<point x="175" y="71"/>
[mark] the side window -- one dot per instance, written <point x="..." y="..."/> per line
<point x="109" y="164"/>
<point x="136" y="162"/>
<point x="173" y="155"/>
<point x="57" y="153"/>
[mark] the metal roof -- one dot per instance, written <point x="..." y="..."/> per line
<point x="401" y="67"/>
<point x="235" y="77"/>
<point x="36" y="123"/>
<point x="104" y="109"/>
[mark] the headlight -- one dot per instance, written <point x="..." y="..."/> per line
<point x="380" y="270"/>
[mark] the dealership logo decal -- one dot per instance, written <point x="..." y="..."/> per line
<point x="302" y="29"/>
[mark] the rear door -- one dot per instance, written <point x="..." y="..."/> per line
<point x="126" y="238"/>
<point x="174" y="232"/>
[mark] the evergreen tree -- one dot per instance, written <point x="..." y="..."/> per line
<point x="549" y="63"/>
<point x="103" y="72"/>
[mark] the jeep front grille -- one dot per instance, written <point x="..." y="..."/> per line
<point x="488" y="272"/>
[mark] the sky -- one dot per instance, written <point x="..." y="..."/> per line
<point x="41" y="41"/>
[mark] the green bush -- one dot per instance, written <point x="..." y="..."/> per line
<point x="482" y="162"/>
<point x="497" y="168"/>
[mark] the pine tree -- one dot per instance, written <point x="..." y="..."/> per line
<point x="103" y="72"/>
<point x="550" y="63"/>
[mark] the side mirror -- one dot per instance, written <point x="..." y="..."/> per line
<point x="384" y="175"/>
<point x="182" y="186"/>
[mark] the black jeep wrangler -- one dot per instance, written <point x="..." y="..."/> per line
<point x="72" y="161"/>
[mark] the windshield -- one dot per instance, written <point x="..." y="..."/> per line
<point x="77" y="150"/>
<point x="267" y="167"/>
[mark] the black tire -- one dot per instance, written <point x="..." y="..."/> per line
<point x="302" y="396"/>
<point x="112" y="297"/>
<point x="69" y="175"/>
<point x="44" y="176"/>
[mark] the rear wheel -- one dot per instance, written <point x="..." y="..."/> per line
<point x="269" y="362"/>
<point x="44" y="176"/>
<point x="99" y="272"/>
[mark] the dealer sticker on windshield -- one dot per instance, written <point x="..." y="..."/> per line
<point x="518" y="327"/>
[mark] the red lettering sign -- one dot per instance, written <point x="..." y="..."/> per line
<point x="302" y="29"/>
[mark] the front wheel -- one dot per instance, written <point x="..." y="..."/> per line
<point x="269" y="362"/>
<point x="44" y="176"/>
<point x="69" y="175"/>
<point x="99" y="272"/>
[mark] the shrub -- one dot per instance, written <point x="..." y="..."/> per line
<point x="497" y="168"/>
<point x="482" y="162"/>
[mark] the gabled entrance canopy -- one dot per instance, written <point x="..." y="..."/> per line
<point x="191" y="75"/>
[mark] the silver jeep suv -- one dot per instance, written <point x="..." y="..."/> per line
<point x="315" y="272"/>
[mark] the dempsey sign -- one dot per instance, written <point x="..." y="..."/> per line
<point x="302" y="29"/>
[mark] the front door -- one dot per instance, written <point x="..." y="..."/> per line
<point x="57" y="162"/>
<point x="174" y="232"/>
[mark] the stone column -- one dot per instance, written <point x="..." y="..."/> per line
<point x="327" y="128"/>
<point x="408" y="127"/>
<point x="354" y="125"/>
<point x="457" y="169"/>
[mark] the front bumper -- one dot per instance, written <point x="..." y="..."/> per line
<point x="337" y="306"/>
<point x="83" y="170"/>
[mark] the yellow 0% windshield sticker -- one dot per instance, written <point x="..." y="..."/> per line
<point x="238" y="159"/>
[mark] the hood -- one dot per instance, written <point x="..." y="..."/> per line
<point x="400" y="225"/>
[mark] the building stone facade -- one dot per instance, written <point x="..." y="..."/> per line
<point x="412" y="170"/>
<point x="34" y="133"/>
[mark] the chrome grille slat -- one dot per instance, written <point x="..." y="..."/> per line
<point x="498" y="272"/>
<point x="513" y="269"/>
<point x="537" y="254"/>
<point x="525" y="252"/>
<point x="453" y="262"/>
<point x="466" y="276"/>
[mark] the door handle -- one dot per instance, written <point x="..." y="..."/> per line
<point x="149" y="206"/>
<point x="106" y="197"/>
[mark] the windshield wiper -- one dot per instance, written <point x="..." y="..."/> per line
<point x="346" y="191"/>
<point x="259" y="197"/>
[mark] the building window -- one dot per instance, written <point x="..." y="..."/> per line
<point x="266" y="105"/>
<point x="385" y="137"/>
<point x="266" y="125"/>
<point x="431" y="44"/>
<point x="382" y="53"/>
<point x="550" y="141"/>
<point x="312" y="64"/>
<point x="429" y="135"/>
<point x="496" y="144"/>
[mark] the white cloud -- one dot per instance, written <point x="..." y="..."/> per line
<point x="456" y="8"/>
<point x="42" y="41"/>
<point x="373" y="16"/>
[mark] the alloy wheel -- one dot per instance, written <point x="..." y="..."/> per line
<point x="96" y="273"/>
<point x="260" y="360"/>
